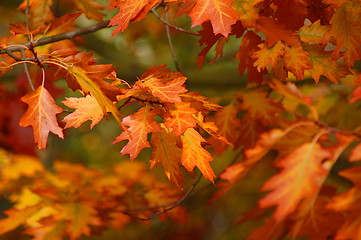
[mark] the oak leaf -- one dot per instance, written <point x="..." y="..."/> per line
<point x="315" y="33"/>
<point x="260" y="106"/>
<point x="181" y="118"/>
<point x="80" y="215"/>
<point x="16" y="217"/>
<point x="266" y="56"/>
<point x="139" y="125"/>
<point x="248" y="47"/>
<point x="40" y="13"/>
<point x="346" y="29"/>
<point x="164" y="84"/>
<point x="129" y="10"/>
<point x="41" y="115"/>
<point x="323" y="64"/>
<point x="194" y="155"/>
<point x="297" y="61"/>
<point x="166" y="152"/>
<point x="219" y="12"/>
<point x="247" y="11"/>
<point x="275" y="31"/>
<point x="86" y="108"/>
<point x="298" y="180"/>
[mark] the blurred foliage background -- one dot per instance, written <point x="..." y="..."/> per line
<point x="142" y="45"/>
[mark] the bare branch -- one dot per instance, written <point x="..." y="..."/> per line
<point x="56" y="38"/>
<point x="27" y="73"/>
<point x="173" y="26"/>
<point x="170" y="43"/>
<point x="169" y="206"/>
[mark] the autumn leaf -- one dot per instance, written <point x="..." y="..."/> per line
<point x="219" y="12"/>
<point x="86" y="108"/>
<point x="194" y="155"/>
<point x="260" y="106"/>
<point x="166" y="152"/>
<point x="346" y="29"/>
<point x="41" y="115"/>
<point x="16" y="217"/>
<point x="91" y="8"/>
<point x="292" y="13"/>
<point x="80" y="215"/>
<point x="297" y="61"/>
<point x="129" y="10"/>
<point x="89" y="86"/>
<point x="316" y="33"/>
<point x="348" y="203"/>
<point x="355" y="153"/>
<point x="247" y="11"/>
<point x="298" y="180"/>
<point x="40" y="13"/>
<point x="266" y="56"/>
<point x="163" y="84"/>
<point x="323" y="64"/>
<point x="248" y="47"/>
<point x="275" y="31"/>
<point x="50" y="231"/>
<point x="209" y="39"/>
<point x="180" y="119"/>
<point x="63" y="21"/>
<point x="140" y="124"/>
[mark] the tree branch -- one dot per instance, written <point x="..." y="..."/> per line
<point x="170" y="205"/>
<point x="56" y="38"/>
<point x="172" y="26"/>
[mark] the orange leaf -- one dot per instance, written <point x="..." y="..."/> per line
<point x="248" y="13"/>
<point x="346" y="28"/>
<point x="298" y="180"/>
<point x="53" y="231"/>
<point x="79" y="217"/>
<point x="164" y="84"/>
<point x="219" y="12"/>
<point x="166" y="152"/>
<point x="91" y="8"/>
<point x="129" y="10"/>
<point x="178" y="120"/>
<point x="140" y="124"/>
<point x="260" y="106"/>
<point x="297" y="61"/>
<point x="194" y="155"/>
<point x="40" y="13"/>
<point x="41" y="115"/>
<point x="16" y="217"/>
<point x="86" y="108"/>
<point x="266" y="56"/>
<point x="323" y="64"/>
<point x="355" y="153"/>
<point x="315" y="33"/>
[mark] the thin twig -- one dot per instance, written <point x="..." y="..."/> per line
<point x="170" y="43"/>
<point x="173" y="26"/>
<point x="171" y="204"/>
<point x="27" y="19"/>
<point x="56" y="38"/>
<point x="26" y="70"/>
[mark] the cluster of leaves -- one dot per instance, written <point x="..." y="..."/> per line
<point x="310" y="127"/>
<point x="51" y="206"/>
